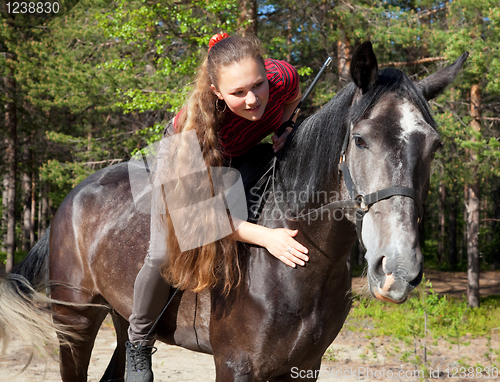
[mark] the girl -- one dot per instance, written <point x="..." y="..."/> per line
<point x="239" y="98"/>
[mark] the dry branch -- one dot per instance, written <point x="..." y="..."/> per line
<point x="110" y="161"/>
<point x="154" y="91"/>
<point x="427" y="12"/>
<point x="417" y="62"/>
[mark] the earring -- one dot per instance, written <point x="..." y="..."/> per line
<point x="217" y="106"/>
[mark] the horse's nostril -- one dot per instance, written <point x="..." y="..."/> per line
<point x="384" y="266"/>
<point x="380" y="268"/>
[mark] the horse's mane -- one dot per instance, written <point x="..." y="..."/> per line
<point x="311" y="162"/>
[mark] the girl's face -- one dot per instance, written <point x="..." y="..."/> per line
<point x="244" y="87"/>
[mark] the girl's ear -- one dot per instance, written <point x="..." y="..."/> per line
<point x="217" y="93"/>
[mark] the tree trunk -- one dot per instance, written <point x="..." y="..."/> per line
<point x="43" y="208"/>
<point x="473" y="191"/>
<point x="442" y="221"/>
<point x="452" y="234"/>
<point x="26" y="192"/>
<point x="3" y="248"/>
<point x="463" y="246"/>
<point x="248" y="17"/>
<point x="473" y="245"/>
<point x="33" y="203"/>
<point x="11" y="156"/>
<point x="344" y="60"/>
<point x="496" y="231"/>
<point x="453" y="207"/>
<point x="289" y="36"/>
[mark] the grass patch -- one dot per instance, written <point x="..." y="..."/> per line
<point x="425" y="313"/>
<point x="425" y="318"/>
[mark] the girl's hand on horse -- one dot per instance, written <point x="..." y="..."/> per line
<point x="281" y="244"/>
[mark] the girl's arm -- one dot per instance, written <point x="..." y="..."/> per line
<point x="277" y="241"/>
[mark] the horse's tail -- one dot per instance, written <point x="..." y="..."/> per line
<point x="26" y="312"/>
<point x="35" y="267"/>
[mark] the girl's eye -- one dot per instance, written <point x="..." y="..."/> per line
<point x="238" y="93"/>
<point x="258" y="85"/>
<point x="360" y="142"/>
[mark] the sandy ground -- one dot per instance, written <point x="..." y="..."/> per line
<point x="351" y="357"/>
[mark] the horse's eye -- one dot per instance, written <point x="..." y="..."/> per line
<point x="360" y="142"/>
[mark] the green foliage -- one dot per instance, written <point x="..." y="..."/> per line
<point x="19" y="256"/>
<point x="425" y="313"/>
<point x="56" y="64"/>
<point x="101" y="80"/>
<point x="304" y="71"/>
<point x="416" y="326"/>
<point x="162" y="44"/>
<point x="151" y="135"/>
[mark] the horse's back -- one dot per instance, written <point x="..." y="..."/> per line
<point x="99" y="238"/>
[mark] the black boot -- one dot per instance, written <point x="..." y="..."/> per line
<point x="139" y="363"/>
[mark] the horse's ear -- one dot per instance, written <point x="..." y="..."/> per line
<point x="364" y="68"/>
<point x="435" y="84"/>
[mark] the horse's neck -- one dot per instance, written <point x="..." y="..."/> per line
<point x="326" y="273"/>
<point x="325" y="230"/>
<point x="330" y="230"/>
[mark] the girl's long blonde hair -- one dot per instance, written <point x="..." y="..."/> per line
<point x="217" y="262"/>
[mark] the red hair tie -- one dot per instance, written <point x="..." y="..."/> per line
<point x="216" y="38"/>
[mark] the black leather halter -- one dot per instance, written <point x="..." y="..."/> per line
<point x="359" y="203"/>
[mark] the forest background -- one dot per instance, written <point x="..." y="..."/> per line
<point x="87" y="86"/>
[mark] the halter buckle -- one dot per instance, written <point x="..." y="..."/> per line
<point x="360" y="201"/>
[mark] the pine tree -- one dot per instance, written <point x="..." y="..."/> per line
<point x="478" y="32"/>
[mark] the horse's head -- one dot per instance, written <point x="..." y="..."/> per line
<point x="388" y="153"/>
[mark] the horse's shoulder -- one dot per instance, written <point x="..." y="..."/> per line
<point x="109" y="178"/>
<point x="113" y="175"/>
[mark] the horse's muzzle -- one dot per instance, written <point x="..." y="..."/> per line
<point x="386" y="286"/>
